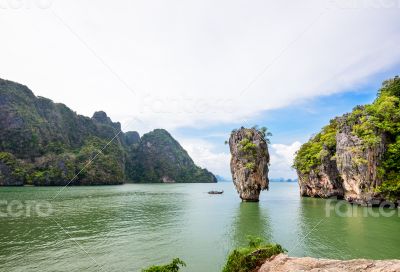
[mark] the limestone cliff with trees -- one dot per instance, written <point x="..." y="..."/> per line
<point x="46" y="143"/>
<point x="356" y="156"/>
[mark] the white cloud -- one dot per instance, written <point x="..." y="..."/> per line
<point x="204" y="155"/>
<point x="188" y="61"/>
<point x="282" y="159"/>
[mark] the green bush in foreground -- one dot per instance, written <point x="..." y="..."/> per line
<point x="248" y="258"/>
<point x="174" y="266"/>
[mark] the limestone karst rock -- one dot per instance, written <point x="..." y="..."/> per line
<point x="346" y="169"/>
<point x="249" y="162"/>
<point x="46" y="143"/>
<point x="324" y="181"/>
<point x="358" y="166"/>
<point x="159" y="158"/>
<point x="356" y="156"/>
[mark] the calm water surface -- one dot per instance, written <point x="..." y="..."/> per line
<point x="128" y="227"/>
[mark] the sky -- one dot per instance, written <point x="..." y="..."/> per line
<point x="201" y="68"/>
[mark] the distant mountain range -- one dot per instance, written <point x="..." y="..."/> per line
<point x="282" y="180"/>
<point x="224" y="179"/>
<point x="46" y="143"/>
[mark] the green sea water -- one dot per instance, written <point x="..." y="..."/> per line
<point x="129" y="227"/>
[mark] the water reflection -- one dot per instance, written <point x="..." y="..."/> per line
<point x="250" y="219"/>
<point x="335" y="229"/>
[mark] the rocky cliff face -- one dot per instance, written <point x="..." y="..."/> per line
<point x="358" y="165"/>
<point x="249" y="163"/>
<point x="46" y="143"/>
<point x="283" y="263"/>
<point x="357" y="156"/>
<point x="160" y="158"/>
<point x="349" y="170"/>
<point x="324" y="181"/>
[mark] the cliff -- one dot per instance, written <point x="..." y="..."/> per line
<point x="46" y="143"/>
<point x="356" y="156"/>
<point x="316" y="165"/>
<point x="160" y="158"/>
<point x="249" y="162"/>
<point x="283" y="263"/>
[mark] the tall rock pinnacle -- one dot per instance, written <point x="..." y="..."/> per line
<point x="249" y="162"/>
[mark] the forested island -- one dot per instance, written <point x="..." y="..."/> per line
<point x="356" y="156"/>
<point x="46" y="143"/>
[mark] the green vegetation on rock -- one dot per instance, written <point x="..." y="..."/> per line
<point x="174" y="266"/>
<point x="247" y="259"/>
<point x="249" y="149"/>
<point x="12" y="171"/>
<point x="375" y="129"/>
<point x="310" y="155"/>
<point x="46" y="143"/>
<point x="243" y="259"/>
<point x="160" y="158"/>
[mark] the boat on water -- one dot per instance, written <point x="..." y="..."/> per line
<point x="216" y="192"/>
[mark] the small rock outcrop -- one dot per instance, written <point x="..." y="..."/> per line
<point x="249" y="162"/>
<point x="283" y="263"/>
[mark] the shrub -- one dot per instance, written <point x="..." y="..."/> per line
<point x="250" y="165"/>
<point x="390" y="189"/>
<point x="174" y="266"/>
<point x="248" y="147"/>
<point x="248" y="258"/>
<point x="17" y="170"/>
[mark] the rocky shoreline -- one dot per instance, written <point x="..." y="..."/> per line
<point x="284" y="263"/>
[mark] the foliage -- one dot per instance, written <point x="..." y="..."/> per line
<point x="390" y="171"/>
<point x="174" y="266"/>
<point x="159" y="157"/>
<point x="248" y="147"/>
<point x="310" y="154"/>
<point x="391" y="87"/>
<point x="249" y="150"/>
<point x="53" y="170"/>
<point x="55" y="143"/>
<point x="391" y="189"/>
<point x="374" y="124"/>
<point x="265" y="134"/>
<point x="12" y="169"/>
<point x="248" y="258"/>
<point x="250" y="165"/>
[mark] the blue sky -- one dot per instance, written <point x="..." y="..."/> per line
<point x="295" y="123"/>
